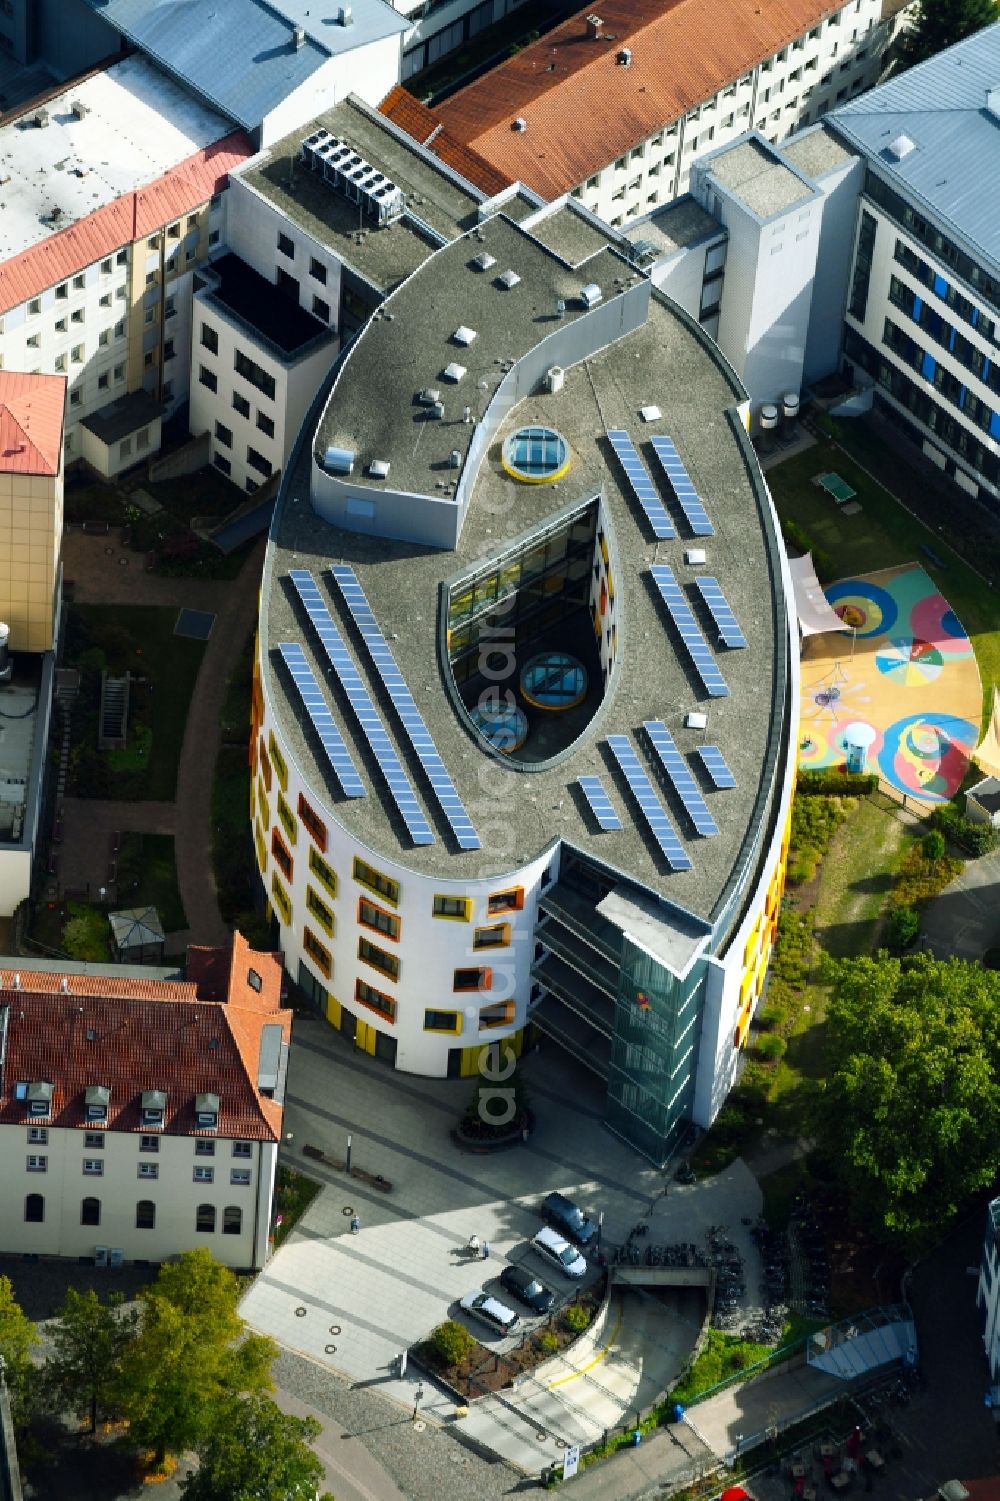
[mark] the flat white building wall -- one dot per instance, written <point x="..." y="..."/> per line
<point x="70" y="1175"/>
<point x="840" y="189"/>
<point x="15" y="879"/>
<point x="256" y="231"/>
<point x="369" y="71"/>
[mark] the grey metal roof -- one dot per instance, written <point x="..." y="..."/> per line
<point x="941" y="105"/>
<point x="241" y="54"/>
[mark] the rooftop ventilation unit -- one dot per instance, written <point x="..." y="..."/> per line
<point x="299" y="37"/>
<point x="464" y="335"/>
<point x="345" y="15"/>
<point x="339" y="460"/>
<point x="625" y="57"/>
<point x="595" y="27"/>
<point x="79" y="109"/>
<point x="508" y="279"/>
<point x="437" y="410"/>
<point x="591" y="295"/>
<point x="484" y="261"/>
<point x="555" y="378"/>
<point x="453" y="372"/>
<point x="520" y="124"/>
<point x="40" y="118"/>
<point x="641" y="252"/>
<point x="455" y="458"/>
<point x="899" y="147"/>
<point x="379" y="468"/>
<point x="344" y="170"/>
<point x="428" y="396"/>
<point x="694" y="556"/>
<point x="696" y="721"/>
<point x="650" y="414"/>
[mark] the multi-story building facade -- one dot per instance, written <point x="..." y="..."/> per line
<point x="440" y="877"/>
<point x="615" y="106"/>
<point x="112" y="200"/>
<point x="141" y="1117"/>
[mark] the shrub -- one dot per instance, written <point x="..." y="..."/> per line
<point x="974" y="838"/>
<point x="771" y="1047"/>
<point x="548" y="1343"/>
<point x="452" y="1342"/>
<point x="902" y="928"/>
<point x="85" y="935"/>
<point x="834" y="783"/>
<point x="576" y="1318"/>
<point x="770" y="1017"/>
<point x="933" y="845"/>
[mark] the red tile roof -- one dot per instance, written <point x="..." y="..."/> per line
<point x="128" y="218"/>
<point x="31" y="423"/>
<point x="583" y="108"/>
<point x="419" y="123"/>
<point x="132" y="1035"/>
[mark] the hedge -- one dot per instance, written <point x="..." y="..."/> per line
<point x="974" y="838"/>
<point x="834" y="783"/>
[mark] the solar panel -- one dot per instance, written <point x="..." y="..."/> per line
<point x="680" y="482"/>
<point x="721" y="613"/>
<point x="322" y="720"/>
<point x="410" y="716"/>
<point x="600" y="804"/>
<point x="697" y="647"/>
<point x="365" y="712"/>
<point x="679" y="773"/>
<point x="714" y="763"/>
<point x="643" y="488"/>
<point x="652" y="809"/>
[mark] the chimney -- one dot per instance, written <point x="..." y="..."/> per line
<point x="625" y="57"/>
<point x="520" y="124"/>
<point x="595" y="28"/>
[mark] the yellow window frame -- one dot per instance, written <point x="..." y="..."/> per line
<point x="282" y="900"/>
<point x="278" y="761"/>
<point x="367" y="875"/>
<point x="288" y="820"/>
<point x="319" y="910"/>
<point x="463" y="916"/>
<point x="324" y="872"/>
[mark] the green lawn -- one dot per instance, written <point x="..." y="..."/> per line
<point x="147" y="876"/>
<point x="883" y="535"/>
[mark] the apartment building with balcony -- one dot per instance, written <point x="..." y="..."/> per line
<point x="615" y="106"/>
<point x="139" y="1116"/>
<point x="112" y="197"/>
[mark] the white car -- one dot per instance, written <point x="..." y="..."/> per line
<point x="557" y="1251"/>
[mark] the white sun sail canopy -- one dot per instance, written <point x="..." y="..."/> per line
<point x="815" y="612"/>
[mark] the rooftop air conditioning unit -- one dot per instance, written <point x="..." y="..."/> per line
<point x="591" y="295"/>
<point x="338" y="460"/>
<point x="437" y="410"/>
<point x="428" y="397"/>
<point x="455" y="458"/>
<point x="345" y="15"/>
<point x="696" y="721"/>
<point x="484" y="261"/>
<point x="463" y="335"/>
<point x="79" y="109"/>
<point x="379" y="468"/>
<point x="41" y="118"/>
<point x="555" y="378"/>
<point x="694" y="556"/>
<point x="520" y="124"/>
<point x="508" y="279"/>
<point x="453" y="372"/>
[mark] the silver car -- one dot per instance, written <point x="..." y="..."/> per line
<point x="491" y="1312"/>
<point x="557" y="1251"/>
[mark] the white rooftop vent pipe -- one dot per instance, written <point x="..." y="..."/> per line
<point x="555" y="378"/>
<point x="519" y="124"/>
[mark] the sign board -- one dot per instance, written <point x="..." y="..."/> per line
<point x="571" y="1461"/>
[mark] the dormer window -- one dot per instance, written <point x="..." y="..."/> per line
<point x="153" y="1109"/>
<point x="39" y="1097"/>
<point x="206" y="1111"/>
<point x="96" y="1099"/>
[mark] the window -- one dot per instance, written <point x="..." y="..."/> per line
<point x="35" y="305"/>
<point x="148" y="1170"/>
<point x="145" y="1215"/>
<point x="321" y="870"/>
<point x="378" y="958"/>
<point x="106" y="267"/>
<point x="281" y="769"/>
<point x="242" y="1148"/>
<point x="60" y="362"/>
<point x="321" y="309"/>
<point x="265" y="424"/>
<point x="241" y="405"/>
<point x="375" y="1000"/>
<point x="499" y="1015"/>
<point x="207" y="378"/>
<point x="287" y="818"/>
<point x="214" y="237"/>
<point x="75" y="398"/>
<point x="318" y="952"/>
<point x="209" y="338"/>
<point x="497" y="936"/>
<point x="38" y="1135"/>
<point x="104" y="338"/>
<point x="93" y="1167"/>
<point x="472" y="979"/>
<point x="506" y="901"/>
<point x="319" y="910"/>
<point x="94" y="1140"/>
<point x="34" y="341"/>
<point x="257" y="461"/>
<point x="76" y="316"/>
<point x="90" y="1212"/>
<point x="204" y="1149"/>
<point x="37" y="1164"/>
<point x="282" y="855"/>
<point x="239" y="1177"/>
<point x="281" y="899"/>
<point x="62" y="290"/>
<point x="168" y="350"/>
<point x="119" y="372"/>
<point x="442" y="1021"/>
<point x="286" y="245"/>
<point x="232" y="1220"/>
<point x="224" y="434"/>
<point x="458" y="908"/>
<point x="222" y="463"/>
<point x="317" y="270"/>
<point x="245" y="366"/>
<point x="383" y="886"/>
<point x="204" y="1175"/>
<point x="372" y="916"/>
<point x="314" y="825"/>
<point x="149" y="1143"/>
<point x="204" y="1219"/>
<point x="34" y="1209"/>
<point x="124" y="448"/>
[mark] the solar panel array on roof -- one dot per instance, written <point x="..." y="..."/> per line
<point x="322" y="720"/>
<point x="721" y="612"/>
<point x="643" y="488"/>
<point x="698" y="648"/>
<point x="652" y="809"/>
<point x="680" y="482"/>
<point x="714" y="763"/>
<point x="679" y="773"/>
<point x="410" y="716"/>
<point x="600" y="804"/>
<point x="364" y="710"/>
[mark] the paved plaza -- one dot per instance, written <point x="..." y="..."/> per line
<point x="352" y="1303"/>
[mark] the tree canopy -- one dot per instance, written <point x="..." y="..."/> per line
<point x="939" y="23"/>
<point x="88" y="1343"/>
<point x="190" y="1353"/>
<point x="911" y="1110"/>
<point x="255" y="1452"/>
<point x="18" y="1337"/>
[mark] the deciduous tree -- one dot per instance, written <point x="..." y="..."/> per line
<point x="18" y="1336"/>
<point x="939" y="23"/>
<point x="89" y="1340"/>
<point x="255" y="1452"/>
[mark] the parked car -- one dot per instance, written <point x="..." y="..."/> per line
<point x="568" y="1219"/>
<point x="526" y="1287"/>
<point x="491" y="1312"/>
<point x="558" y="1252"/>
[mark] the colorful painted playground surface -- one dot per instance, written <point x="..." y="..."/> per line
<point x="896" y="692"/>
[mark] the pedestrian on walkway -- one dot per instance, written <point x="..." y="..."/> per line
<point x="355" y="1224"/>
<point x="473" y="1247"/>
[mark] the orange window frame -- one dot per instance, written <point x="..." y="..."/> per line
<point x="282" y="854"/>
<point x="395" y="921"/>
<point x="313" y="824"/>
<point x="387" y="1010"/>
<point x="514" y="905"/>
<point x="318" y="952"/>
<point x="484" y="981"/>
<point x="489" y="1017"/>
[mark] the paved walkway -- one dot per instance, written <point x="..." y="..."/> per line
<point x="964" y="920"/>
